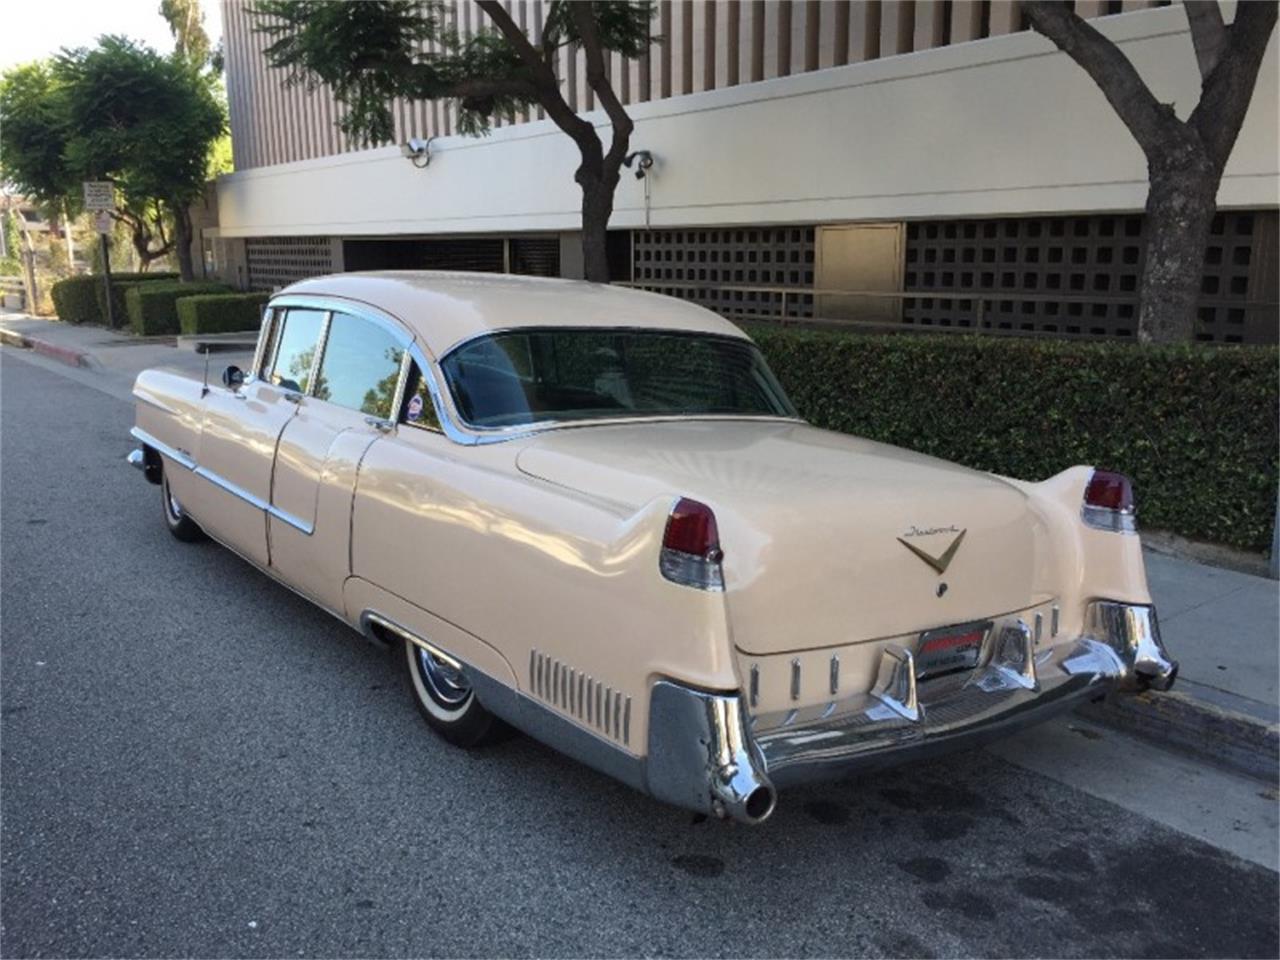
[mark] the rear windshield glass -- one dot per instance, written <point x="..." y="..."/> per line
<point x="526" y="376"/>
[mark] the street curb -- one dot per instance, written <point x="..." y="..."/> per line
<point x="1226" y="738"/>
<point x="67" y="355"/>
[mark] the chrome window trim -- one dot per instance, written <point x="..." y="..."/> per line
<point x="265" y="331"/>
<point x="480" y="435"/>
<point x="322" y="344"/>
<point x="187" y="462"/>
<point x="451" y="423"/>
<point x="360" y="311"/>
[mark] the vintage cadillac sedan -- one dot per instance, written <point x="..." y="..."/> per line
<point x="592" y="514"/>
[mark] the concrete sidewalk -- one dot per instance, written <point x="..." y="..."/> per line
<point x="1222" y="626"/>
<point x="117" y="357"/>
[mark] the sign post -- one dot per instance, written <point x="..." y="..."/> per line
<point x="100" y="197"/>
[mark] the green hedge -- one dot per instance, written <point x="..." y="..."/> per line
<point x="121" y="284"/>
<point x="1195" y="427"/>
<point x="82" y="299"/>
<point x="152" y="306"/>
<point x="221" y="312"/>
<point x="75" y="299"/>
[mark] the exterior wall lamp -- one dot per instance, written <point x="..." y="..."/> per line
<point x="418" y="151"/>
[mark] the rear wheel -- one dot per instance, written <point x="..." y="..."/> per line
<point x="446" y="700"/>
<point x="179" y="524"/>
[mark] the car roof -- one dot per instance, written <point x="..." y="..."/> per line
<point x="444" y="308"/>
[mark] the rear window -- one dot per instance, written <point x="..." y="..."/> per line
<point x="527" y="376"/>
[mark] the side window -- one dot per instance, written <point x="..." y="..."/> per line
<point x="419" y="410"/>
<point x="294" y="349"/>
<point x="360" y="367"/>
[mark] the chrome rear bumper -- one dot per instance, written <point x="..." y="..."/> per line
<point x="707" y="753"/>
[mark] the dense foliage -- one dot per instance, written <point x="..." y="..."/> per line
<point x="121" y="112"/>
<point x="1195" y="427"/>
<point x="221" y="312"/>
<point x="82" y="299"/>
<point x="152" y="307"/>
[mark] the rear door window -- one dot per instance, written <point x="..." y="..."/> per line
<point x="361" y="366"/>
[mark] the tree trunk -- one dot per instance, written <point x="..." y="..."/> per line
<point x="1181" y="203"/>
<point x="597" y="208"/>
<point x="184" y="231"/>
<point x="29" y="272"/>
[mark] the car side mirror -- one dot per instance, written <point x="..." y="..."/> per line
<point x="232" y="377"/>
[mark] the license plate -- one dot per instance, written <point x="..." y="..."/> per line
<point x="949" y="649"/>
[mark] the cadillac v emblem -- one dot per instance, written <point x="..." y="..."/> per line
<point x="939" y="563"/>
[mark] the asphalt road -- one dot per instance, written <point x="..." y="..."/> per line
<point x="195" y="762"/>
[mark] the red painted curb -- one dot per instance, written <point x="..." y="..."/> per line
<point x="67" y="355"/>
<point x="75" y="358"/>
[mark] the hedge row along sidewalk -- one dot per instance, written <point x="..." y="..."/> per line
<point x="153" y="306"/>
<point x="1194" y="427"/>
<point x="221" y="312"/>
<point x="83" y="300"/>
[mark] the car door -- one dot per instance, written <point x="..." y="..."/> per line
<point x="347" y="407"/>
<point x="240" y="430"/>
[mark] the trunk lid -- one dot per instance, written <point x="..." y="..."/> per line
<point x="828" y="539"/>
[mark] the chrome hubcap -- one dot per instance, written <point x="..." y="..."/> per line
<point x="443" y="680"/>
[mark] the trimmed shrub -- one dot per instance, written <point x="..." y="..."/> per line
<point x="152" y="306"/>
<point x="1195" y="427"/>
<point x="221" y="312"/>
<point x="75" y="300"/>
<point x="121" y="283"/>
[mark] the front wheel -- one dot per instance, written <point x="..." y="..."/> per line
<point x="446" y="700"/>
<point x="179" y="524"/>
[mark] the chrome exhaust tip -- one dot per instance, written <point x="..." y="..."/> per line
<point x="742" y="795"/>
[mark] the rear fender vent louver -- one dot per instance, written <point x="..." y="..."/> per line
<point x="580" y="696"/>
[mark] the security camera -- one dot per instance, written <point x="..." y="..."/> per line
<point x="418" y="151"/>
<point x="643" y="161"/>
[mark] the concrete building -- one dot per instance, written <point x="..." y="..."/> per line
<point x="934" y="153"/>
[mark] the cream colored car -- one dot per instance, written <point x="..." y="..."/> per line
<point x="593" y="514"/>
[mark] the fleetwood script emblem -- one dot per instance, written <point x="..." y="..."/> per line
<point x="939" y="563"/>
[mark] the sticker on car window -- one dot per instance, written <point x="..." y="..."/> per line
<point x="415" y="408"/>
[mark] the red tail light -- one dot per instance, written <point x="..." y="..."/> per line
<point x="691" y="546"/>
<point x="691" y="528"/>
<point x="1108" y="502"/>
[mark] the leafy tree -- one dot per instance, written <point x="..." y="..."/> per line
<point x="370" y="54"/>
<point x="32" y="139"/>
<point x="148" y="123"/>
<point x="186" y="23"/>
<point x="1185" y="158"/>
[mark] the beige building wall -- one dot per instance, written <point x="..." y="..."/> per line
<point x="707" y="45"/>
<point x="999" y="126"/>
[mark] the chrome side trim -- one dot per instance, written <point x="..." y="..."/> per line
<point x="370" y="618"/>
<point x="579" y="695"/>
<point x="1054" y="616"/>
<point x="755" y="684"/>
<point x="179" y="457"/>
<point x="185" y="460"/>
<point x="795" y="678"/>
<point x="835" y="674"/>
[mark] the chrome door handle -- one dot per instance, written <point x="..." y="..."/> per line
<point x="292" y="397"/>
<point x="378" y="423"/>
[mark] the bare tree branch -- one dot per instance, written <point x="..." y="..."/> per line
<point x="584" y="16"/>
<point x="1147" y="119"/>
<point x="1225" y="98"/>
<point x="582" y="132"/>
<point x="1207" y="32"/>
